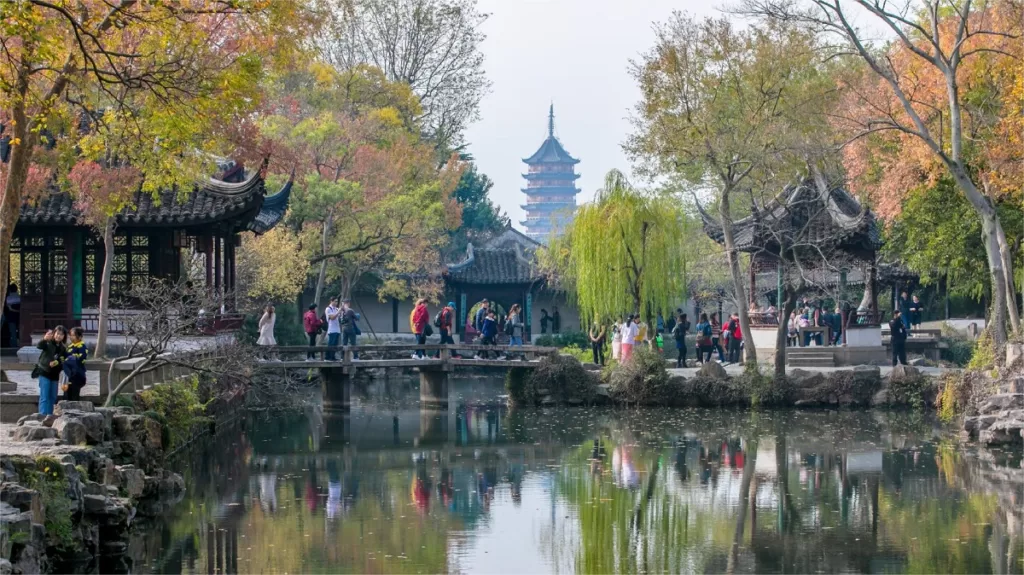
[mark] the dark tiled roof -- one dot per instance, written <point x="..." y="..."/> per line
<point x="213" y="202"/>
<point x="551" y="152"/>
<point x="487" y="266"/>
<point x="803" y="215"/>
<point x="272" y="210"/>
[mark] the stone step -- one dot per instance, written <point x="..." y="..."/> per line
<point x="810" y="362"/>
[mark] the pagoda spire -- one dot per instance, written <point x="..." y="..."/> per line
<point x="551" y="120"/>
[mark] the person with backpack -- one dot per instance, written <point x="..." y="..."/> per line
<point x="312" y="326"/>
<point x="679" y="329"/>
<point x="704" y="341"/>
<point x="444" y="320"/>
<point x="420" y="321"/>
<point x="716" y="334"/>
<point x="349" y="329"/>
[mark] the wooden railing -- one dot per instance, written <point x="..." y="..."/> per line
<point x="117" y="322"/>
<point x="348" y="354"/>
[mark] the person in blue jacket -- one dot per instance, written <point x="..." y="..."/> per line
<point x="74" y="365"/>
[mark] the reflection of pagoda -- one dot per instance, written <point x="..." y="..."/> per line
<point x="551" y="187"/>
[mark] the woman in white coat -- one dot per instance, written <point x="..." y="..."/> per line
<point x="267" y="327"/>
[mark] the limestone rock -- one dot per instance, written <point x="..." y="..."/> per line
<point x="881" y="398"/>
<point x="904" y="372"/>
<point x="65" y="406"/>
<point x="33" y="433"/>
<point x="70" y="431"/>
<point x="803" y="379"/>
<point x="133" y="480"/>
<point x="602" y="389"/>
<point x="17" y="496"/>
<point x="1001" y="401"/>
<point x="712" y="369"/>
<point x="33" y="417"/>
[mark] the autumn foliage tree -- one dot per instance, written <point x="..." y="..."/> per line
<point x="368" y="195"/>
<point x="163" y="75"/>
<point x="939" y="97"/>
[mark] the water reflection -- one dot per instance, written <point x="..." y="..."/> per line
<point x="475" y="488"/>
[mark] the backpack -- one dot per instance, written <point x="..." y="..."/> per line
<point x="705" y="334"/>
<point x="437" y="318"/>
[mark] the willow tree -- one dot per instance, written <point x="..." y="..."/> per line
<point x="625" y="252"/>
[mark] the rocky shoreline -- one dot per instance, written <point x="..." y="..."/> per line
<point x="74" y="483"/>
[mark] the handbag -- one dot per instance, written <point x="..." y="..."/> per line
<point x="427" y="330"/>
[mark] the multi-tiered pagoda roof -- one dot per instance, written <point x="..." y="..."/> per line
<point x="550" y="186"/>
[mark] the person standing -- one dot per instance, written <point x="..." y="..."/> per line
<point x="716" y="335"/>
<point x="545" y="319"/>
<point x="349" y="329"/>
<point x="898" y="338"/>
<point x="267" y="328"/>
<point x="48" y="367"/>
<point x="418" y="321"/>
<point x="12" y="314"/>
<point x="629" y="336"/>
<point x="704" y="333"/>
<point x="916" y="311"/>
<point x="679" y="330"/>
<point x="905" y="314"/>
<point x="514" y="325"/>
<point x="311" y="325"/>
<point x="556" y="321"/>
<point x="617" y="340"/>
<point x="333" y="315"/>
<point x="489" y="332"/>
<point x="597" y="337"/>
<point x="641" y="333"/>
<point x="481" y="315"/>
<point x="735" y="338"/>
<point x="793" y="330"/>
<point x="837" y="326"/>
<point x="74" y="365"/>
<point x="445" y="321"/>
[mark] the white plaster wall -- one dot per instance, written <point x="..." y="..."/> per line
<point x="764" y="338"/>
<point x="863" y="336"/>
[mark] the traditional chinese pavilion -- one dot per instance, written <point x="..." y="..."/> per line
<point x="57" y="262"/>
<point x="550" y="186"/>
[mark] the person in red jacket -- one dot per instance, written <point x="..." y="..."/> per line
<point x="420" y="319"/>
<point x="735" y="338"/>
<point x="311" y="323"/>
<point x="445" y="322"/>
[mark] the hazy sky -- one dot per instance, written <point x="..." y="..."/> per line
<point x="576" y="54"/>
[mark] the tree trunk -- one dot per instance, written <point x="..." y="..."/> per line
<point x="322" y="276"/>
<point x="108" y="265"/>
<point x="17" y="176"/>
<point x="782" y="333"/>
<point x="990" y="228"/>
<point x="748" y="475"/>
<point x="1011" y="293"/>
<point x="750" y="354"/>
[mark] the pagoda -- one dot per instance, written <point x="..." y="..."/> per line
<point x="550" y="187"/>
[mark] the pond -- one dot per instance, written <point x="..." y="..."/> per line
<point x="392" y="488"/>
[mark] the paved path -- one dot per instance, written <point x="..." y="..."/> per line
<point x="737" y="369"/>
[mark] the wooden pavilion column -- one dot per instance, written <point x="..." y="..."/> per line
<point x="217" y="262"/>
<point x="208" y="246"/>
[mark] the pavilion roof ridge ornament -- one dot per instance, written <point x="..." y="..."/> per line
<point x="470" y="257"/>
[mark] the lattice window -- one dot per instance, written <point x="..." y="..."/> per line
<point x="57" y="273"/>
<point x="140" y="268"/>
<point x="91" y="285"/>
<point x="32" y="273"/>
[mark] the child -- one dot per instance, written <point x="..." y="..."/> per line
<point x="74" y="366"/>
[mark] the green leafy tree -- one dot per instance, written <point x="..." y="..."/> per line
<point x="728" y="110"/>
<point x="938" y="235"/>
<point x="480" y="217"/>
<point x="624" y="252"/>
